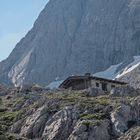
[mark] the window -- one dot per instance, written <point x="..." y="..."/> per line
<point x="112" y="86"/>
<point x="97" y="84"/>
<point x="104" y="86"/>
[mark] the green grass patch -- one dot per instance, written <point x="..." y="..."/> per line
<point x="7" y="116"/>
<point x="96" y="116"/>
<point x="77" y="97"/>
<point x="103" y="100"/>
<point x="18" y="100"/>
<point x="90" y="123"/>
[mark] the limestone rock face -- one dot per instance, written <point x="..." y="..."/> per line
<point x="124" y="91"/>
<point x="91" y="132"/>
<point x="132" y="77"/>
<point x="124" y="118"/>
<point x="75" y="37"/>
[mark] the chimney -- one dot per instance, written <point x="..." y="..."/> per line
<point x="87" y="74"/>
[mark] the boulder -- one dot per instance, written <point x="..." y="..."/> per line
<point x="125" y="91"/>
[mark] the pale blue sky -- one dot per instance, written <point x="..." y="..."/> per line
<point x="16" y="18"/>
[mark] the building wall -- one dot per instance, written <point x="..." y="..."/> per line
<point x="98" y="84"/>
<point x="80" y="84"/>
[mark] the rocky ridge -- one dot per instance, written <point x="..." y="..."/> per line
<point x="40" y="114"/>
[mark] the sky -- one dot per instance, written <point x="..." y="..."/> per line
<point x="16" y="19"/>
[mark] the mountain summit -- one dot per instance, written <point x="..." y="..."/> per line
<point x="75" y="37"/>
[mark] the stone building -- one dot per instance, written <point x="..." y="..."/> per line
<point x="87" y="81"/>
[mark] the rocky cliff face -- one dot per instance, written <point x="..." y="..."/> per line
<point x="74" y="37"/>
<point x="37" y="114"/>
<point x="132" y="77"/>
